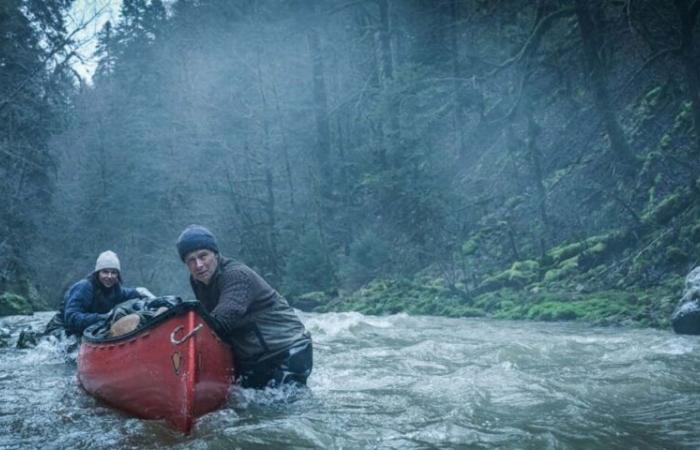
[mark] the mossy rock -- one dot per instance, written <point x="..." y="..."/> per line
<point x="554" y="311"/>
<point x="385" y="296"/>
<point x="593" y="255"/>
<point x="311" y="300"/>
<point x="666" y="209"/>
<point x="563" y="252"/>
<point x="591" y="249"/>
<point x="529" y="265"/>
<point x="564" y="270"/>
<point x="604" y="308"/>
<point x="470" y="247"/>
<point x="511" y="310"/>
<point x="675" y="255"/>
<point x="520" y="274"/>
<point x="13" y="304"/>
<point x="694" y="233"/>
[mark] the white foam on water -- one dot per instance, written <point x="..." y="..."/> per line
<point x="334" y="324"/>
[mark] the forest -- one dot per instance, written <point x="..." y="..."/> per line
<point x="507" y="159"/>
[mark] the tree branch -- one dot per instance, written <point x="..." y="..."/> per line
<point x="533" y="40"/>
<point x="55" y="50"/>
<point x="649" y="61"/>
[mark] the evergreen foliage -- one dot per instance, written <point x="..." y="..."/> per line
<point x="522" y="160"/>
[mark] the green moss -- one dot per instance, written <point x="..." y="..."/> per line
<point x="554" y="311"/>
<point x="684" y="118"/>
<point x="425" y="296"/>
<point x="592" y="246"/>
<point x="675" y="255"/>
<point x="665" y="210"/>
<point x="520" y="274"/>
<point x="311" y="301"/>
<point x="665" y="141"/>
<point x="529" y="265"/>
<point x="694" y="233"/>
<point x="563" y="270"/>
<point x="565" y="251"/>
<point x="490" y="301"/>
<point x="13" y="304"/>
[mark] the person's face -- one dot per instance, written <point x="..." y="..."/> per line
<point x="202" y="264"/>
<point x="108" y="277"/>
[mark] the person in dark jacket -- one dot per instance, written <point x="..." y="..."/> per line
<point x="271" y="346"/>
<point x="90" y="299"/>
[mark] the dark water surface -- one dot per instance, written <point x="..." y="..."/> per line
<point x="398" y="382"/>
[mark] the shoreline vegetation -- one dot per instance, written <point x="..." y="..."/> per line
<point x="533" y="160"/>
<point x="639" y="307"/>
<point x="650" y="307"/>
<point x="627" y="277"/>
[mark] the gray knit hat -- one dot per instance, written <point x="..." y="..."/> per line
<point x="195" y="237"/>
<point x="107" y="260"/>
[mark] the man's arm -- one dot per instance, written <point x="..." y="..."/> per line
<point x="236" y="295"/>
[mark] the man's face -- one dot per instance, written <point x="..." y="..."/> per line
<point x="108" y="277"/>
<point x="202" y="264"/>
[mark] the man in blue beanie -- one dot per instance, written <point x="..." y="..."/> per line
<point x="271" y="346"/>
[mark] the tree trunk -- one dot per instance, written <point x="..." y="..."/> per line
<point x="687" y="16"/>
<point x="589" y="33"/>
<point x="273" y="257"/>
<point x="323" y="146"/>
<point x="533" y="130"/>
<point x="386" y="66"/>
<point x="458" y="114"/>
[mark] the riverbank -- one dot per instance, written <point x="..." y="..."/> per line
<point x="649" y="307"/>
<point x="630" y="276"/>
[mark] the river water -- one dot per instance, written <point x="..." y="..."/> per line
<point x="398" y="382"/>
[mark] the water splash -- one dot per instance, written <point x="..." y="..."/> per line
<point x="399" y="382"/>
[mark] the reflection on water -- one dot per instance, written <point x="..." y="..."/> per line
<point x="397" y="382"/>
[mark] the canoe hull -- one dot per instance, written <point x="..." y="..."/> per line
<point x="176" y="371"/>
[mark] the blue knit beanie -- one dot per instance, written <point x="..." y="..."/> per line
<point x="195" y="237"/>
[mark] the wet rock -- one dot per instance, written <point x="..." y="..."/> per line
<point x="686" y="317"/>
<point x="27" y="339"/>
<point x="5" y="337"/>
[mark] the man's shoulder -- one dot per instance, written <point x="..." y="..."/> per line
<point x="233" y="270"/>
<point x="232" y="265"/>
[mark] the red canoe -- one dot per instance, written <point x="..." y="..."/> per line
<point x="175" y="368"/>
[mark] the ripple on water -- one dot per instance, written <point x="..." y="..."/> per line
<point x="399" y="382"/>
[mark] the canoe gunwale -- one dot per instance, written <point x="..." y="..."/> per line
<point x="181" y="308"/>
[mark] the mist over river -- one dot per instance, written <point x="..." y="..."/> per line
<point x="400" y="382"/>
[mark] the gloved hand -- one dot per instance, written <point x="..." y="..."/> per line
<point x="145" y="293"/>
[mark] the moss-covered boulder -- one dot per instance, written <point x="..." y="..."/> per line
<point x="13" y="304"/>
<point x="421" y="296"/>
<point x="565" y="269"/>
<point x="662" y="212"/>
<point x="520" y="274"/>
<point x="310" y="301"/>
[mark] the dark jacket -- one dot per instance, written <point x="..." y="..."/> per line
<point x="249" y="314"/>
<point x="88" y="299"/>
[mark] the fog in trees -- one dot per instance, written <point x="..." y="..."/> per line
<point x="331" y="143"/>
